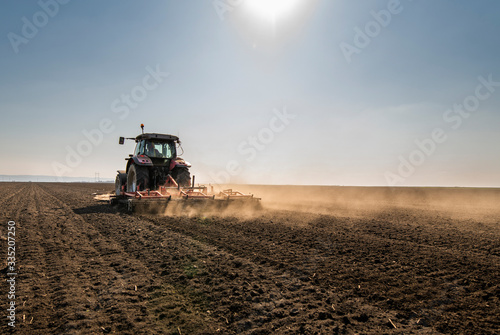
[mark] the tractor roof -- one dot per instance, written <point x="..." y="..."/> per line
<point x="157" y="137"/>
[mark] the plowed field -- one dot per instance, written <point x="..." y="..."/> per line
<point x="314" y="260"/>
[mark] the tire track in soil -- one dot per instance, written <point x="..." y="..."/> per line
<point x="436" y="275"/>
<point x="244" y="295"/>
<point x="64" y="285"/>
<point x="16" y="208"/>
<point x="292" y="305"/>
<point x="14" y="192"/>
<point x="169" y="309"/>
<point x="299" y="260"/>
<point x="118" y="281"/>
<point x="31" y="285"/>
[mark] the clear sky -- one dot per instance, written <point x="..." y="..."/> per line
<point x="277" y="91"/>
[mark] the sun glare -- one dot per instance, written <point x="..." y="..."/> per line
<point x="272" y="10"/>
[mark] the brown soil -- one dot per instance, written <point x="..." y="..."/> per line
<point x="315" y="260"/>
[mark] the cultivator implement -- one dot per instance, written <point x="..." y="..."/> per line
<point x="158" y="200"/>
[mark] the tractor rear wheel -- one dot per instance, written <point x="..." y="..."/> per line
<point x="137" y="178"/>
<point x="182" y="176"/>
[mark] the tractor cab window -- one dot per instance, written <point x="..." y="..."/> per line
<point x="168" y="150"/>
<point x="139" y="148"/>
<point x="158" y="149"/>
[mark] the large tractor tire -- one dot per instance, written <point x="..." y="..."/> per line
<point x="182" y="176"/>
<point x="137" y="178"/>
<point x="121" y="179"/>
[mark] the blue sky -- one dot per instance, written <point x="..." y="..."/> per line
<point x="353" y="121"/>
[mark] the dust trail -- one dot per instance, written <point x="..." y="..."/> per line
<point x="480" y="204"/>
<point x="457" y="203"/>
<point x="239" y="208"/>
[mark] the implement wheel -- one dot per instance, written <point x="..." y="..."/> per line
<point x="121" y="179"/>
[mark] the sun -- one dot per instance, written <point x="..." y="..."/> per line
<point x="272" y="10"/>
<point x="271" y="22"/>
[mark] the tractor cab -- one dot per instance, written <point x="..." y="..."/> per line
<point x="160" y="148"/>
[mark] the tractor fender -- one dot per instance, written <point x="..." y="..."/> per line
<point x="142" y="160"/>
<point x="129" y="162"/>
<point x="180" y="162"/>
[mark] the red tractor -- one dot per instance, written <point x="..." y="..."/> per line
<point x="154" y="160"/>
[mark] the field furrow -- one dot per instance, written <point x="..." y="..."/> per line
<point x="86" y="267"/>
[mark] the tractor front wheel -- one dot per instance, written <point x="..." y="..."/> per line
<point x="137" y="178"/>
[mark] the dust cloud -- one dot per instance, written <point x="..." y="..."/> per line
<point x="210" y="208"/>
<point x="458" y="203"/>
<point x="478" y="204"/>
